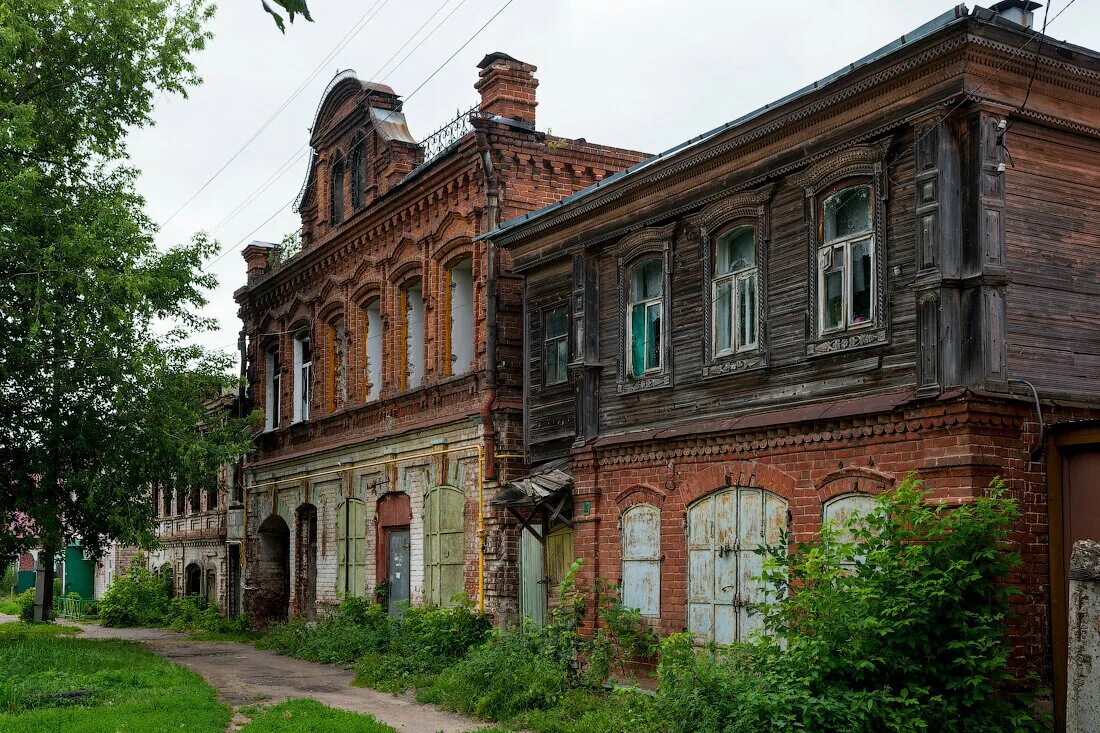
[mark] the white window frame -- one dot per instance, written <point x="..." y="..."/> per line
<point x="845" y="243"/>
<point x="303" y="377"/>
<point x="554" y="342"/>
<point x="648" y="303"/>
<point x="272" y="388"/>
<point x="735" y="277"/>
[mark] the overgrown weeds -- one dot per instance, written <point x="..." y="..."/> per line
<point x="141" y="598"/>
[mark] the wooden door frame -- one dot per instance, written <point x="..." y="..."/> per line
<point x="1062" y="440"/>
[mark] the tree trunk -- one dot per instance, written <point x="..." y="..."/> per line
<point x="43" y="583"/>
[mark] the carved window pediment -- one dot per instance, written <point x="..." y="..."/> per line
<point x="723" y="351"/>
<point x="839" y="260"/>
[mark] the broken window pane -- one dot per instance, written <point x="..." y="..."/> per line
<point x="555" y="346"/>
<point x="861" y="281"/>
<point x="746" y="311"/>
<point x="736" y="251"/>
<point x="647" y="280"/>
<point x="848" y="212"/>
<point x="833" y="316"/>
<point x="637" y="338"/>
<point x="645" y="312"/>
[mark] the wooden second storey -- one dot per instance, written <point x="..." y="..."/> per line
<point x="902" y="228"/>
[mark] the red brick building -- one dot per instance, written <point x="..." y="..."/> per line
<point x="386" y="354"/>
<point x="776" y="320"/>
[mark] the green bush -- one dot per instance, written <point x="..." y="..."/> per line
<point x="900" y="629"/>
<point x="137" y="598"/>
<point x="355" y="628"/>
<point x="26" y="605"/>
<point x="421" y="643"/>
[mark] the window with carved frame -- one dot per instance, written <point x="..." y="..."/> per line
<point x="733" y="235"/>
<point x="845" y="196"/>
<point x="644" y="259"/>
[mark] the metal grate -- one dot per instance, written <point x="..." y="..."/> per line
<point x="447" y="135"/>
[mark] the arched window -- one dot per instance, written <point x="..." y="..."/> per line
<point x="844" y="510"/>
<point x="303" y="375"/>
<point x="357" y="176"/>
<point x="272" y="387"/>
<point x="460" y="314"/>
<point x="337" y="189"/>
<point x="734" y="284"/>
<point x="336" y="377"/>
<point x="644" y="317"/>
<point x="413" y="325"/>
<point x="846" y="260"/>
<point x="372" y="348"/>
<point x="641" y="582"/>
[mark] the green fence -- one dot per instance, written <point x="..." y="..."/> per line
<point x="71" y="607"/>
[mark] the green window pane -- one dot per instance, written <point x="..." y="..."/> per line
<point x="653" y="336"/>
<point x="861" y="281"/>
<point x="746" y="310"/>
<point x="736" y="251"/>
<point x="848" y="212"/>
<point x="557" y="323"/>
<point x="723" y="315"/>
<point x="637" y="340"/>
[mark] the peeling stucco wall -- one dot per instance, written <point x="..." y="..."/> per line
<point x="1083" y="678"/>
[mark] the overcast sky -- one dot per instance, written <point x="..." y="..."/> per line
<point x="640" y="74"/>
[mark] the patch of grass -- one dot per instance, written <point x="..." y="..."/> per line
<point x="309" y="716"/>
<point x="10" y="605"/>
<point x="52" y="682"/>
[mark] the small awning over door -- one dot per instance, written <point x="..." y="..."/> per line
<point x="545" y="483"/>
<point x="543" y="495"/>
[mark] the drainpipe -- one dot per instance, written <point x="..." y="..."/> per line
<point x="490" y="395"/>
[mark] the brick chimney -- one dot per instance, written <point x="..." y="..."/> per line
<point x="255" y="258"/>
<point x="507" y="87"/>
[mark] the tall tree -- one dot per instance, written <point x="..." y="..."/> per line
<point x="101" y="393"/>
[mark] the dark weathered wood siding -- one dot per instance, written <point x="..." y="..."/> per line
<point x="548" y="410"/>
<point x="1053" y="248"/>
<point x="791" y="378"/>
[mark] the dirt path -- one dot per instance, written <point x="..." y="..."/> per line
<point x="244" y="675"/>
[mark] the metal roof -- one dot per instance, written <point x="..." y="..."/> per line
<point x="956" y="14"/>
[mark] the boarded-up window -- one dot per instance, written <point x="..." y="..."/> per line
<point x="461" y="338"/>
<point x="351" y="548"/>
<point x="842" y="510"/>
<point x="642" y="559"/>
<point x="444" y="511"/>
<point x="373" y="348"/>
<point x="724" y="530"/>
<point x="414" y="336"/>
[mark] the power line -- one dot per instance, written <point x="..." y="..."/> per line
<point x="406" y="99"/>
<point x="282" y="170"/>
<point x="356" y="28"/>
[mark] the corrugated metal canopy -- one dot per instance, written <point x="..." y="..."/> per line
<point x="543" y="483"/>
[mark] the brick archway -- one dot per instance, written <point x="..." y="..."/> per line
<point x="737" y="473"/>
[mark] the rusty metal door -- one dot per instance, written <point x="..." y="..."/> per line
<point x="724" y="530"/>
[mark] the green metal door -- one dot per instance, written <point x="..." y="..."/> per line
<point x="79" y="573"/>
<point x="351" y="548"/>
<point x="444" y="512"/>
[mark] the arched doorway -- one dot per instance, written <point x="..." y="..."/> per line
<point x="444" y="517"/>
<point x="305" y="572"/>
<point x="192" y="580"/>
<point x="393" y="549"/>
<point x="271" y="598"/>
<point x="724" y="530"/>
